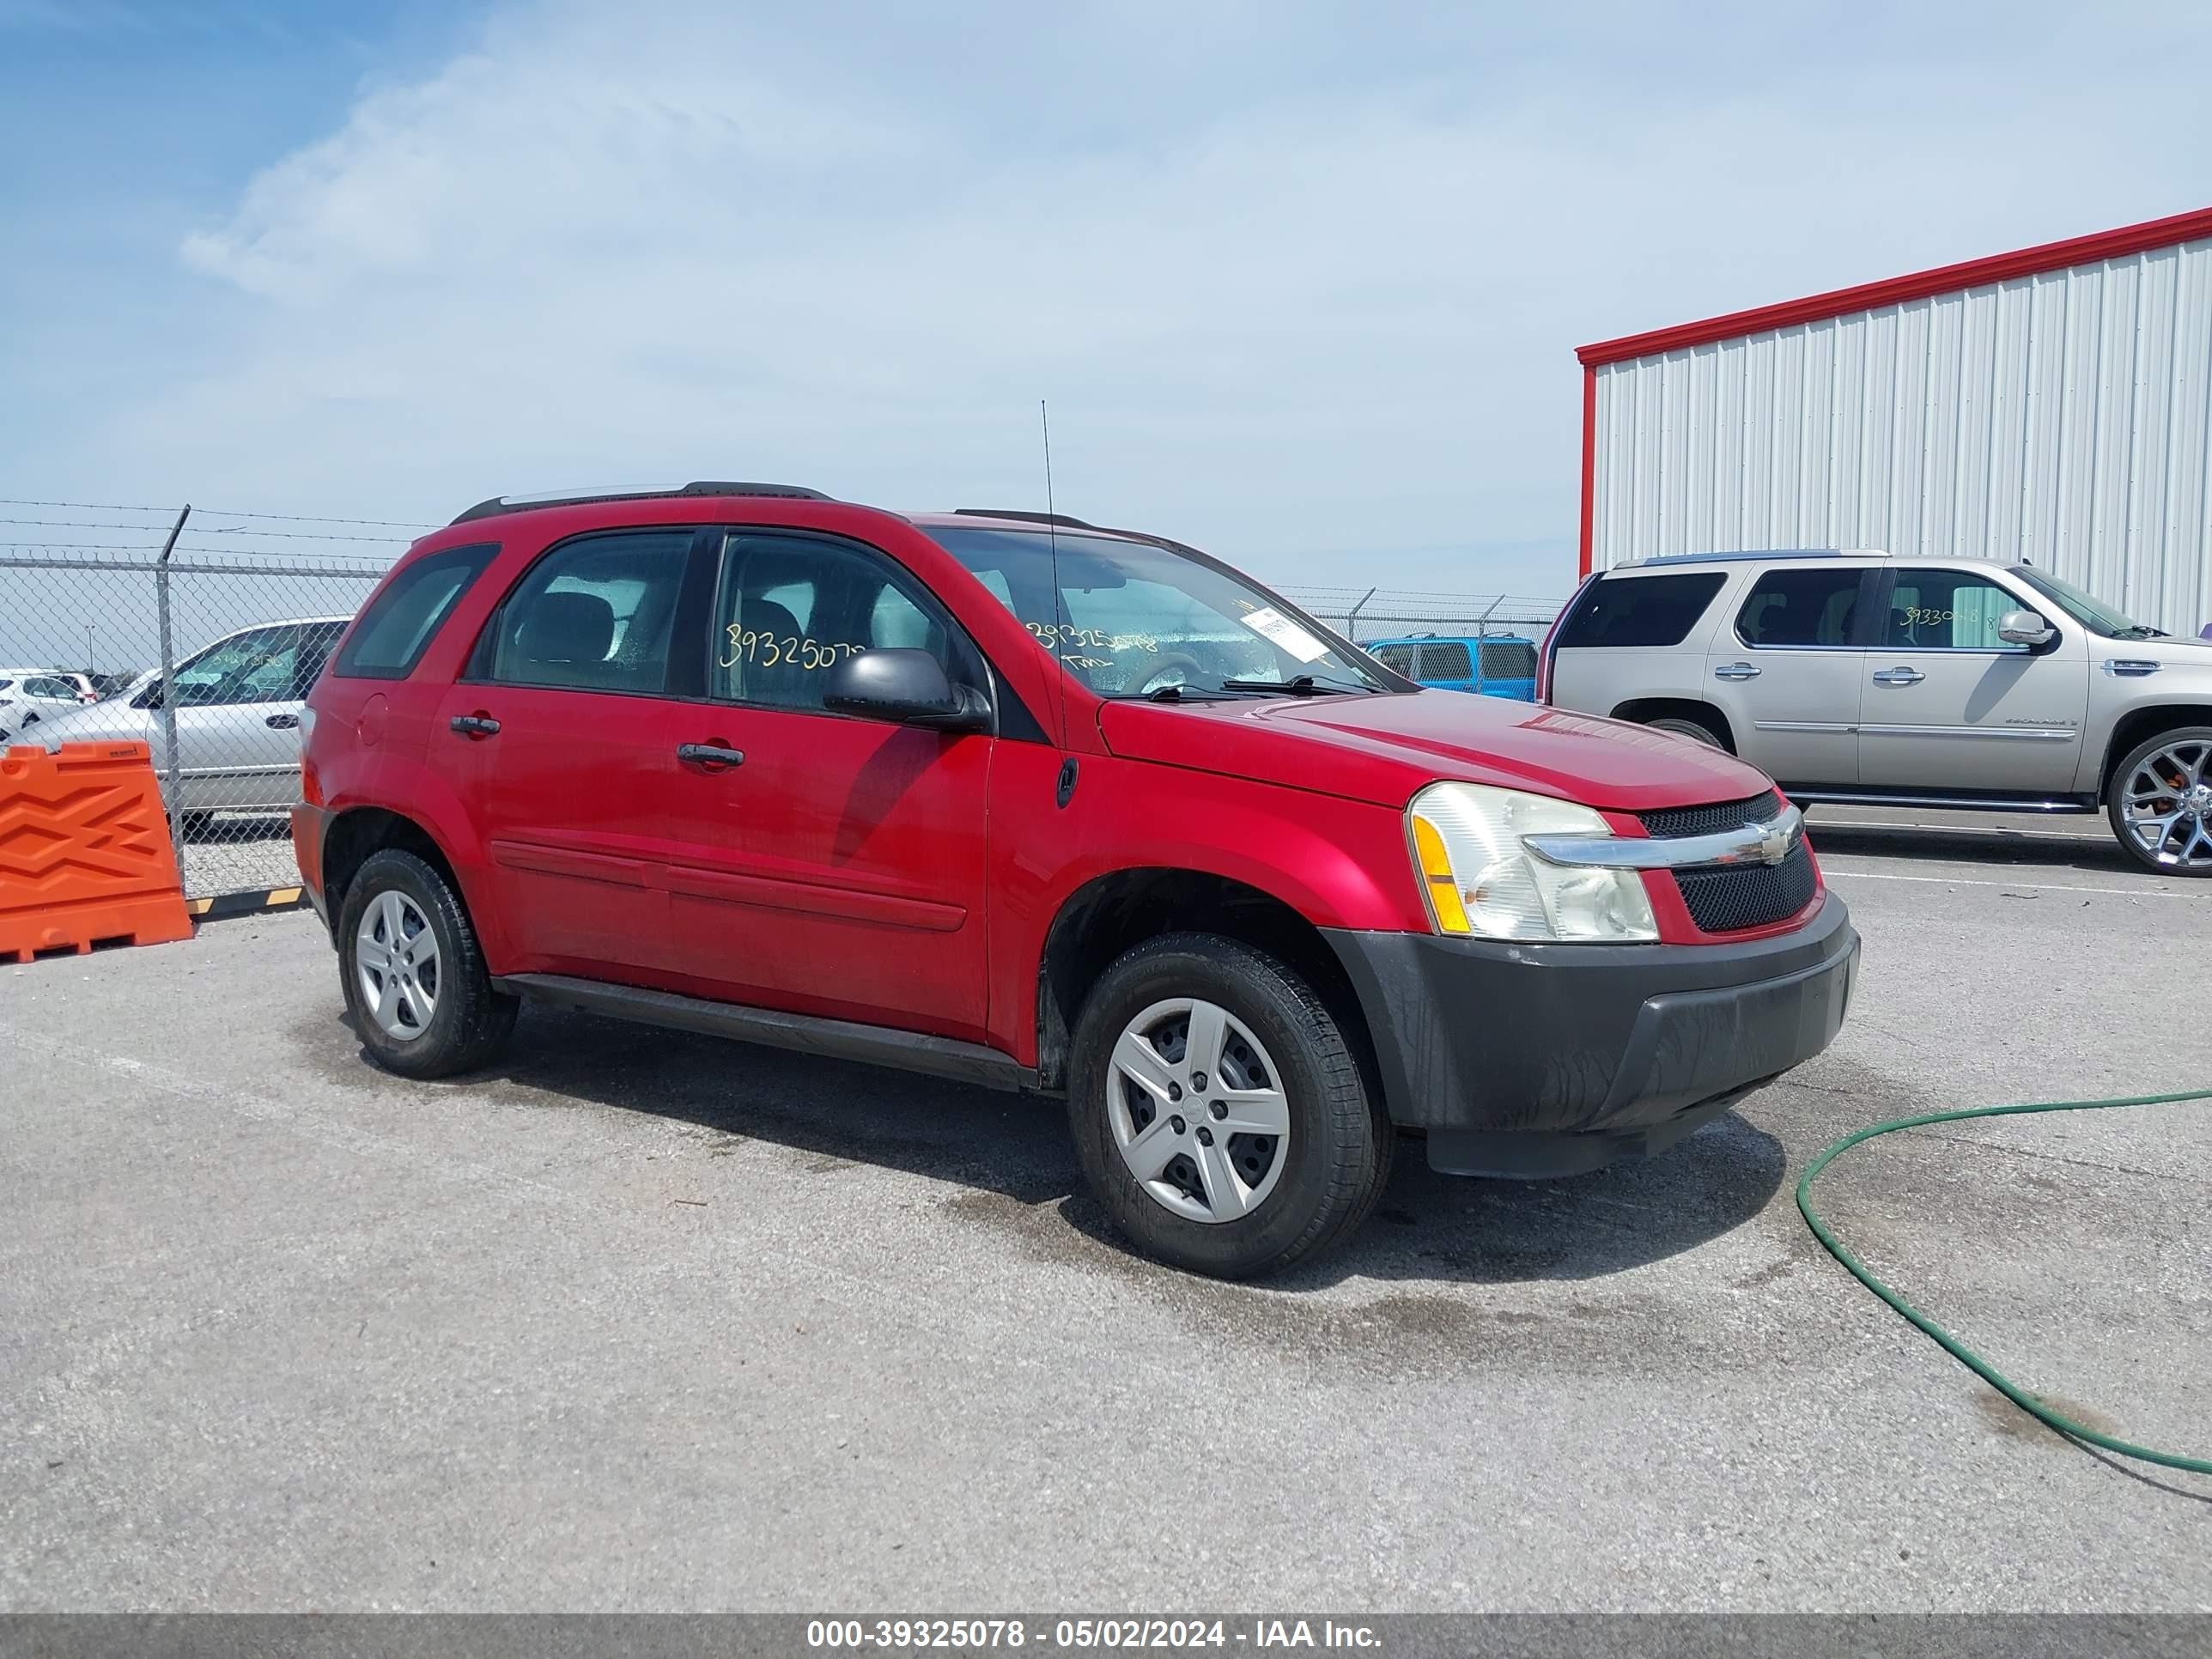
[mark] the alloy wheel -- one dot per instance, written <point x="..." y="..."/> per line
<point x="2166" y="804"/>
<point x="1198" y="1111"/>
<point x="396" y="959"/>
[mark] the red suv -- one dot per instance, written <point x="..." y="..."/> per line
<point x="1016" y="799"/>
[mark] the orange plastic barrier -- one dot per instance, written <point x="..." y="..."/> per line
<point x="84" y="851"/>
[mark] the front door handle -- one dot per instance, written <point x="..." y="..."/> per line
<point x="712" y="756"/>
<point x="282" y="722"/>
<point x="1736" y="670"/>
<point x="1900" y="676"/>
<point x="474" y="725"/>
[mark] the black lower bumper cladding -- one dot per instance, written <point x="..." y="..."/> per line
<point x="1533" y="1061"/>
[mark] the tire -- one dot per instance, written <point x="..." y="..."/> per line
<point x="466" y="1022"/>
<point x="2169" y="774"/>
<point x="1295" y="1195"/>
<point x="1683" y="726"/>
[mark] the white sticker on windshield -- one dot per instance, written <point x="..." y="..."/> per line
<point x="1285" y="633"/>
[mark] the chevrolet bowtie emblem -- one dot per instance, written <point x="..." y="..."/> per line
<point x="1774" y="845"/>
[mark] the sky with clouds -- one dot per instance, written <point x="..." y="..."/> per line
<point x="1302" y="282"/>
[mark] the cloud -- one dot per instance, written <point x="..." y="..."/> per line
<point x="1301" y="285"/>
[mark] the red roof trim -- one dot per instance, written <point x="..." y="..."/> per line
<point x="1899" y="290"/>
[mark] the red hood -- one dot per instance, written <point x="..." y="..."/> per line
<point x="1383" y="748"/>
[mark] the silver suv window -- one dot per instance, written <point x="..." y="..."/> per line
<point x="1946" y="611"/>
<point x="1645" y="611"/>
<point x="1801" y="607"/>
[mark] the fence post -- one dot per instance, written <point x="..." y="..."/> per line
<point x="1351" y="617"/>
<point x="168" y="671"/>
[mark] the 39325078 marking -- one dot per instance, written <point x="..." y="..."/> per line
<point x="861" y="1634"/>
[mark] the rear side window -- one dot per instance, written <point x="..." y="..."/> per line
<point x="595" y="615"/>
<point x="1801" y="607"/>
<point x="1400" y="657"/>
<point x="1447" y="661"/>
<point x="1630" y="610"/>
<point x="1508" y="660"/>
<point x="400" y="623"/>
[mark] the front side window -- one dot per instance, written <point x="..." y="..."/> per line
<point x="1129" y="618"/>
<point x="1622" y="611"/>
<point x="792" y="607"/>
<point x="256" y="666"/>
<point x="401" y="621"/>
<point x="595" y="615"/>
<point x="1801" y="607"/>
<point x="1947" y="610"/>
<point x="1400" y="657"/>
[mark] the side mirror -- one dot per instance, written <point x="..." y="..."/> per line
<point x="150" y="698"/>
<point x="908" y="686"/>
<point x="2025" y="628"/>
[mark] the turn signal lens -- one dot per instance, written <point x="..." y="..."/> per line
<point x="1444" y="904"/>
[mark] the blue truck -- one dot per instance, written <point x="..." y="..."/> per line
<point x="1493" y="665"/>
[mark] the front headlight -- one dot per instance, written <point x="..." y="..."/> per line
<point x="1483" y="883"/>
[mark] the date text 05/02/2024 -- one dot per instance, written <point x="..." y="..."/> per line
<point x="1087" y="1634"/>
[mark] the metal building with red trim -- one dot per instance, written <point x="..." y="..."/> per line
<point x="2053" y="403"/>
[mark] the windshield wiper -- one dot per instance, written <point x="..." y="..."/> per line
<point x="1300" y="685"/>
<point x="1179" y="693"/>
<point x="2141" y="631"/>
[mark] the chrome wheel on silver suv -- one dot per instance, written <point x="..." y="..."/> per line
<point x="2161" y="803"/>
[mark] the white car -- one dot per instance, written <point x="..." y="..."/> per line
<point x="237" y="711"/>
<point x="30" y="695"/>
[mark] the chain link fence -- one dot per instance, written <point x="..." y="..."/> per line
<point x="1365" y="615"/>
<point x="199" y="633"/>
<point x="203" y="647"/>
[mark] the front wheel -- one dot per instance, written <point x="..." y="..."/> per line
<point x="413" y="974"/>
<point x="2160" y="802"/>
<point x="1217" y="1111"/>
<point x="1682" y="726"/>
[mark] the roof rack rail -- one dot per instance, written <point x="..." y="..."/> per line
<point x="499" y="504"/>
<point x="1760" y="553"/>
<point x="1062" y="519"/>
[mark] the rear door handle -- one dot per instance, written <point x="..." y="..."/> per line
<point x="709" y="754"/>
<point x="474" y="726"/>
<point x="282" y="722"/>
<point x="1736" y="670"/>
<point x="1900" y="676"/>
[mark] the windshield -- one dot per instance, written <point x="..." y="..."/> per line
<point x="1132" y="619"/>
<point x="2091" y="612"/>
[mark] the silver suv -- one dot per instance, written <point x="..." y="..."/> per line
<point x="1855" y="676"/>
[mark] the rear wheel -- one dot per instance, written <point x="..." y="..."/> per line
<point x="1683" y="726"/>
<point x="2160" y="802"/>
<point x="413" y="974"/>
<point x="1217" y="1112"/>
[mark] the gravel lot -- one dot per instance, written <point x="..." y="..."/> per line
<point x="645" y="1320"/>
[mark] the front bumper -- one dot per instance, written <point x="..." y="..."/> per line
<point x="1533" y="1061"/>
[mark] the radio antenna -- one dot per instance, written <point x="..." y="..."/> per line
<point x="1052" y="541"/>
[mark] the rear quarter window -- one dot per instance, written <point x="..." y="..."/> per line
<point x="400" y="623"/>
<point x="1620" y="611"/>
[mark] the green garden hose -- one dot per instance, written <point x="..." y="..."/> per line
<point x="1951" y="1344"/>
